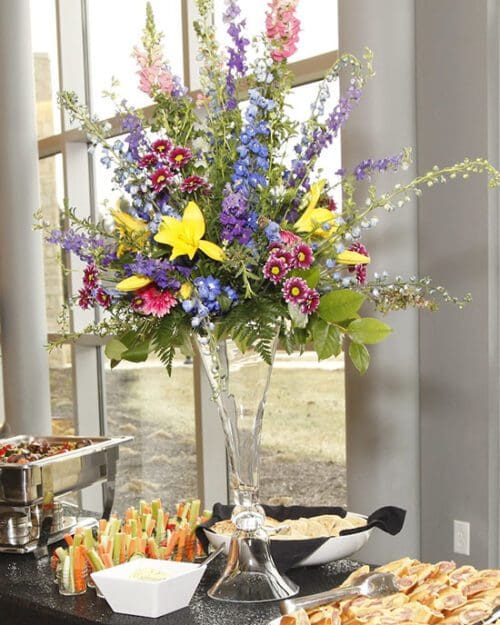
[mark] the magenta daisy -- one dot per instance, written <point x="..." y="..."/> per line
<point x="103" y="298"/>
<point x="283" y="255"/>
<point x="90" y="276"/>
<point x="193" y="183"/>
<point x="360" y="270"/>
<point x="148" y="160"/>
<point x="160" y="178"/>
<point x="275" y="269"/>
<point x="310" y="302"/>
<point x="303" y="256"/>
<point x="162" y="147"/>
<point x="179" y="157"/>
<point x="155" y="302"/>
<point x="295" y="290"/>
<point x="85" y="299"/>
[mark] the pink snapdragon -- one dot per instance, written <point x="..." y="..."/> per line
<point x="152" y="73"/>
<point x="282" y="28"/>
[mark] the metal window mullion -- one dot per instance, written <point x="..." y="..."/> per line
<point x="86" y="375"/>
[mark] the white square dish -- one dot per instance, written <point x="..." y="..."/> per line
<point x="152" y="599"/>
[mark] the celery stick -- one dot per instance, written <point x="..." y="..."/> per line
<point x="195" y="511"/>
<point x="133" y="527"/>
<point x="96" y="560"/>
<point x="72" y="569"/>
<point x="88" y="538"/>
<point x="160" y="525"/>
<point x="62" y="554"/>
<point x="155" y="506"/>
<point x="142" y="505"/>
<point x="116" y="548"/>
<point x="66" y="572"/>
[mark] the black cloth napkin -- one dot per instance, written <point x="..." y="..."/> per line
<point x="286" y="553"/>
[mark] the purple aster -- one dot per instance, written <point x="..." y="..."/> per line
<point x="295" y="290"/>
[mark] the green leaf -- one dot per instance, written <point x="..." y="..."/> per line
<point x="360" y="357"/>
<point x="114" y="349"/>
<point x="138" y="352"/>
<point x="368" y="330"/>
<point x="311" y="276"/>
<point x="326" y="338"/>
<point x="339" y="305"/>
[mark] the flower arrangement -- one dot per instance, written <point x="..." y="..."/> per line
<point x="219" y="229"/>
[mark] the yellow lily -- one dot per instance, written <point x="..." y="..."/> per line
<point x="185" y="236"/>
<point x="134" y="283"/>
<point x="134" y="232"/>
<point x="352" y="258"/>
<point x="312" y="219"/>
<point x="186" y="290"/>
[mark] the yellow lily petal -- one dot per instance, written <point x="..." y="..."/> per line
<point x="181" y="248"/>
<point x="186" y="290"/>
<point x="212" y="250"/>
<point x="127" y="222"/>
<point x="134" y="283"/>
<point x="169" y="231"/>
<point x="193" y="222"/>
<point x="313" y="219"/>
<point x="315" y="193"/>
<point x="352" y="258"/>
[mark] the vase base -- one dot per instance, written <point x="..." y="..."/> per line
<point x="250" y="575"/>
<point x="244" y="587"/>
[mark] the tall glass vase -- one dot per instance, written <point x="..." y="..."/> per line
<point x="239" y="383"/>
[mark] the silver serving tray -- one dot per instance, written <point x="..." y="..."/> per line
<point x="31" y="483"/>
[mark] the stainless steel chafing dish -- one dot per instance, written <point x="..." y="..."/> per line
<point x="30" y="516"/>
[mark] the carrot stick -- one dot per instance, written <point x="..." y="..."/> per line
<point x="69" y="539"/>
<point x="107" y="560"/>
<point x="190" y="547"/>
<point x="150" y="527"/>
<point x="182" y="541"/>
<point x="123" y="549"/>
<point x="79" y="572"/>
<point x="172" y="542"/>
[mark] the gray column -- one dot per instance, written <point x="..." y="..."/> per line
<point x="457" y="88"/>
<point x="22" y="302"/>
<point x="382" y="406"/>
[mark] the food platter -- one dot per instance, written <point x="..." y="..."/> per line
<point x="334" y="548"/>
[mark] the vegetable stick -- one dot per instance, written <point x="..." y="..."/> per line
<point x="171" y="544"/>
<point x="150" y="527"/>
<point x="182" y="541"/>
<point x="95" y="561"/>
<point x="69" y="539"/>
<point x="117" y="545"/>
<point x="107" y="560"/>
<point x="194" y="513"/>
<point x="123" y="548"/>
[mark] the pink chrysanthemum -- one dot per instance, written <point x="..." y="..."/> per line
<point x="148" y="160"/>
<point x="303" y="256"/>
<point x="310" y="303"/>
<point x="274" y="245"/>
<point x="193" y="183"/>
<point x="154" y="302"/>
<point x="289" y="238"/>
<point x="275" y="269"/>
<point x="90" y="276"/>
<point x="283" y="255"/>
<point x="360" y="270"/>
<point x="179" y="157"/>
<point x="161" y="147"/>
<point x="160" y="178"/>
<point x="295" y="290"/>
<point x="103" y="298"/>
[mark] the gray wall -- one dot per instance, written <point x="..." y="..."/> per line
<point x="422" y="425"/>
<point x="457" y="116"/>
<point x="382" y="405"/>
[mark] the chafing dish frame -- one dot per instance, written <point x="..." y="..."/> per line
<point x="40" y="481"/>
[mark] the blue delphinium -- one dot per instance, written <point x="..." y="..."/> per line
<point x="207" y="298"/>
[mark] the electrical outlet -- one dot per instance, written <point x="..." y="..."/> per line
<point x="461" y="537"/>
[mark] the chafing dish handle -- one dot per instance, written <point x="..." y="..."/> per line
<point x="108" y="491"/>
<point x="47" y="513"/>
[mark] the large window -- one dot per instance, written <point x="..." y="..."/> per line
<point x="96" y="40"/>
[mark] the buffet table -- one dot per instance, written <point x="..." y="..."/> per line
<point x="28" y="596"/>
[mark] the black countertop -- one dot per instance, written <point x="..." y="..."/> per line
<point x="28" y="596"/>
